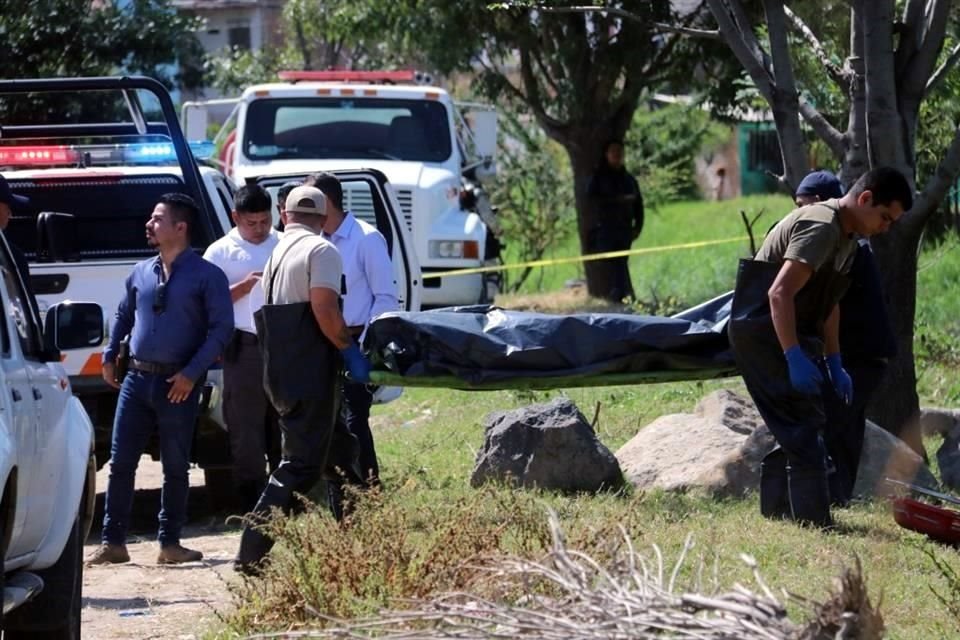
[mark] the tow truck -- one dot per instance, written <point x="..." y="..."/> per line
<point x="436" y="154"/>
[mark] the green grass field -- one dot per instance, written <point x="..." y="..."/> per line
<point x="430" y="516"/>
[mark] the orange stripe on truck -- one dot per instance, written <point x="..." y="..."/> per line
<point x="93" y="366"/>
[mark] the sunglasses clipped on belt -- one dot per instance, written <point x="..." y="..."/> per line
<point x="160" y="298"/>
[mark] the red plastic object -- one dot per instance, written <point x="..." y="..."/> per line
<point x="938" y="523"/>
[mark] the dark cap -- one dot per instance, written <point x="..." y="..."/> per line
<point x="822" y="184"/>
<point x="10" y="198"/>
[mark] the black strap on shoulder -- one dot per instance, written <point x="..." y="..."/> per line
<point x="275" y="270"/>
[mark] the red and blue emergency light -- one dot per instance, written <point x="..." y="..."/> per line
<point x="99" y="154"/>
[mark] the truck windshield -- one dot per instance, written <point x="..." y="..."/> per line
<point x="393" y="129"/>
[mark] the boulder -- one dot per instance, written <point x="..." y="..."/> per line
<point x="717" y="448"/>
<point x="548" y="446"/>
<point x="886" y="456"/>
<point x="948" y="459"/>
<point x="939" y="422"/>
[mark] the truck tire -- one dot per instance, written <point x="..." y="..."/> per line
<point x="55" y="613"/>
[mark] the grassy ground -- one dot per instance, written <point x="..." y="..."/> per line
<point x="430" y="518"/>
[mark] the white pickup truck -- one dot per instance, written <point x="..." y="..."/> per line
<point x="436" y="155"/>
<point x="47" y="464"/>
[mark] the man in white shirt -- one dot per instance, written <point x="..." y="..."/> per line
<point x="371" y="289"/>
<point x="251" y="420"/>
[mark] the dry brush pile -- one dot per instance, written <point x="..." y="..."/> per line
<point x="571" y="594"/>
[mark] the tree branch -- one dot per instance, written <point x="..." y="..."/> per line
<point x="552" y="126"/>
<point x="937" y="186"/>
<point x="838" y="73"/>
<point x="822" y="127"/>
<point x="742" y="42"/>
<point x="712" y="34"/>
<point x="786" y="100"/>
<point x="941" y="73"/>
<point x="921" y="65"/>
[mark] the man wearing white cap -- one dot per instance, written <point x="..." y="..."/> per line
<point x="300" y="328"/>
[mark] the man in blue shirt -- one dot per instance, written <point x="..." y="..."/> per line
<point x="178" y="314"/>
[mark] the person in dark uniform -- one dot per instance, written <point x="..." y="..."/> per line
<point x="867" y="342"/>
<point x="786" y="317"/>
<point x="618" y="203"/>
<point x="10" y="201"/>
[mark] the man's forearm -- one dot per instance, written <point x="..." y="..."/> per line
<point x="783" y="314"/>
<point x="831" y="332"/>
<point x="239" y="290"/>
<point x="331" y="323"/>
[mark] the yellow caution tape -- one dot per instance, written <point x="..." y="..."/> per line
<point x="585" y="258"/>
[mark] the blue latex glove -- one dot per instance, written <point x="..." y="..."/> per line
<point x="804" y="374"/>
<point x="357" y="364"/>
<point x="842" y="383"/>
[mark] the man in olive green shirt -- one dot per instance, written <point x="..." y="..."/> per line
<point x="784" y="330"/>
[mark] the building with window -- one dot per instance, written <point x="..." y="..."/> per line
<point x="241" y="24"/>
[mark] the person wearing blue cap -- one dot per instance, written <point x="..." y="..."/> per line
<point x="867" y="342"/>
<point x="818" y="186"/>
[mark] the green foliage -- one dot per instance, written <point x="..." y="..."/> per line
<point x="661" y="146"/>
<point x="534" y="193"/>
<point x="71" y="38"/>
<point x="949" y="597"/>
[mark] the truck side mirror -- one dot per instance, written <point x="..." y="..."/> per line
<point x="73" y="325"/>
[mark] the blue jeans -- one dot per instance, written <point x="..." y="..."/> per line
<point x="141" y="408"/>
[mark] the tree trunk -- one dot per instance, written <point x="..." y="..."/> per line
<point x="584" y="150"/>
<point x="895" y="404"/>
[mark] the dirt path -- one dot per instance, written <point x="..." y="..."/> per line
<point x="144" y="600"/>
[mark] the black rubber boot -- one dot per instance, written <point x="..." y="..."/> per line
<point x="809" y="495"/>
<point x="774" y="500"/>
<point x="255" y="544"/>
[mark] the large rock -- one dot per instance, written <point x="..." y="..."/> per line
<point x="717" y="448"/>
<point x="939" y="422"/>
<point x="886" y="456"/>
<point x="549" y="446"/>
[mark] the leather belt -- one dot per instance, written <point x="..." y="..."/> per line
<point x="159" y="368"/>
<point x="356" y="330"/>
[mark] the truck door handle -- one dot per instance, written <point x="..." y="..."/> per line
<point x="16" y="395"/>
<point x="36" y="394"/>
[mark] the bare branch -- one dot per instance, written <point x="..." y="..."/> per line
<point x="837" y="72"/>
<point x="744" y="45"/>
<point x="713" y="34"/>
<point x="930" y="43"/>
<point x="822" y="127"/>
<point x="937" y="186"/>
<point x="941" y="73"/>
<point x="551" y="125"/>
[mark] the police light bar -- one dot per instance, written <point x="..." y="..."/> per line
<point x="99" y="154"/>
<point x="38" y="156"/>
<point x="333" y="75"/>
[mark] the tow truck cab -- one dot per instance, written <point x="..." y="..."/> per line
<point x="431" y="152"/>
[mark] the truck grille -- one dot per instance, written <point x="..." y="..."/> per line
<point x="357" y="200"/>
<point x="405" y="197"/>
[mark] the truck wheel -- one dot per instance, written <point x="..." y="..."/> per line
<point x="55" y="613"/>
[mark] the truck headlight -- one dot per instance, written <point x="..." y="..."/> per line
<point x="454" y="249"/>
